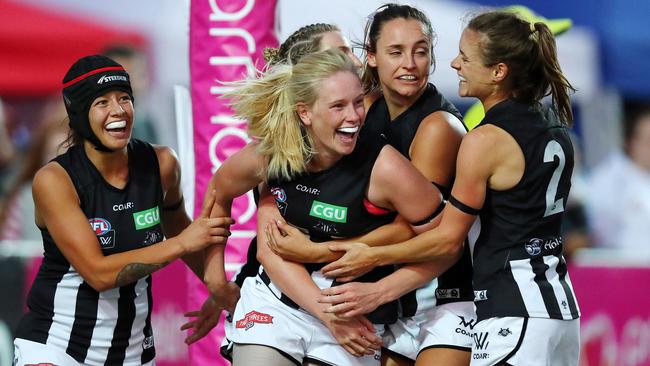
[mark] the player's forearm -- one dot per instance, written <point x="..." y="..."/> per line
<point x="428" y="246"/>
<point x="408" y="278"/>
<point x="294" y="281"/>
<point x="214" y="274"/>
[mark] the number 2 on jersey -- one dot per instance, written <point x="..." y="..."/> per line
<point x="553" y="206"/>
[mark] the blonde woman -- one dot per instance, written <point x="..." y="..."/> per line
<point x="306" y="120"/>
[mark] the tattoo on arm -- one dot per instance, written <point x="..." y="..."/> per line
<point x="135" y="271"/>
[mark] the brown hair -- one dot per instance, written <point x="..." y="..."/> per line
<point x="529" y="51"/>
<point x="304" y="41"/>
<point x="372" y="32"/>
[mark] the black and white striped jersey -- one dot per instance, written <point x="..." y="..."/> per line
<point x="456" y="283"/>
<point x="111" y="327"/>
<point x="519" y="269"/>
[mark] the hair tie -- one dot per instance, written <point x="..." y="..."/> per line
<point x="271" y="55"/>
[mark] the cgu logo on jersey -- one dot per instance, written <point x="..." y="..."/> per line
<point x="328" y="212"/>
<point x="147" y="218"/>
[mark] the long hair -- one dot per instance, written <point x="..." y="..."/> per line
<point x="529" y="51"/>
<point x="268" y="103"/>
<point x="302" y="42"/>
<point x="372" y="32"/>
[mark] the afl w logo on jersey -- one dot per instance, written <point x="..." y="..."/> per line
<point x="105" y="234"/>
<point x="328" y="212"/>
<point x="280" y="199"/>
<point x="100" y="226"/>
<point x="147" y="218"/>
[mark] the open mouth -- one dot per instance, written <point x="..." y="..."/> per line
<point x="347" y="133"/>
<point x="116" y="127"/>
<point x="407" y="78"/>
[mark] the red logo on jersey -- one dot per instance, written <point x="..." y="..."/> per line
<point x="254" y="317"/>
<point x="100" y="226"/>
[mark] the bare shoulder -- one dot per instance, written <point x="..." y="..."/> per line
<point x="167" y="157"/>
<point x="169" y="165"/>
<point x="441" y="123"/>
<point x="487" y="146"/>
<point x="53" y="192"/>
<point x="51" y="178"/>
<point x="248" y="160"/>
<point x="489" y="137"/>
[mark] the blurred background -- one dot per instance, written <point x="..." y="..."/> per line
<point x="604" y="55"/>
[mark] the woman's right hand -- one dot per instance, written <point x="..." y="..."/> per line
<point x="205" y="231"/>
<point x="356" y="335"/>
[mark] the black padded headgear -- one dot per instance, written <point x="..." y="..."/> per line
<point x="87" y="79"/>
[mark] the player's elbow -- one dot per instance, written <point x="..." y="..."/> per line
<point x="99" y="282"/>
<point x="452" y="247"/>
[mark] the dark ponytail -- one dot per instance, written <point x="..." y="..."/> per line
<point x="529" y="50"/>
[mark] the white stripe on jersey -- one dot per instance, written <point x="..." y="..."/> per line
<point x="472" y="236"/>
<point x="554" y="279"/>
<point x="426" y="296"/>
<point x="65" y="301"/>
<point x="104" y="326"/>
<point x="524" y="276"/>
<point x="320" y="280"/>
<point x="134" y="350"/>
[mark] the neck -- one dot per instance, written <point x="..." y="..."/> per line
<point x="323" y="160"/>
<point x="397" y="103"/>
<point x="113" y="166"/>
<point x="493" y="99"/>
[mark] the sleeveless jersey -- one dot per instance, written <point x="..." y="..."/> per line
<point x="519" y="269"/>
<point x="111" y="327"/>
<point x="456" y="283"/>
<point x="329" y="205"/>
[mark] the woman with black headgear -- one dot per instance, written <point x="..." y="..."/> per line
<point x="103" y="208"/>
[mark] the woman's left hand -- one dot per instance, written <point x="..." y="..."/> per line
<point x="352" y="299"/>
<point x="290" y="243"/>
<point x="356" y="261"/>
<point x="203" y="322"/>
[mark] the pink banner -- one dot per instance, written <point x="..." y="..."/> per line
<point x="227" y="38"/>
<point x="615" y="324"/>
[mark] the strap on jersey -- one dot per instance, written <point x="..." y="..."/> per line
<point x="463" y="207"/>
<point x="435" y="213"/>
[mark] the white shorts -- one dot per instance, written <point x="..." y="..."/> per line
<point x="526" y="341"/>
<point x="403" y="337"/>
<point x="261" y="318"/>
<point x="451" y="326"/>
<point x="34" y="353"/>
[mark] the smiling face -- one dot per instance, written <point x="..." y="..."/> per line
<point x="335" y="39"/>
<point x="475" y="79"/>
<point x="334" y="120"/>
<point x="402" y="59"/>
<point x="111" y="119"/>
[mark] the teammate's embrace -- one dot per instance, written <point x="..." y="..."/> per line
<point x="513" y="172"/>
